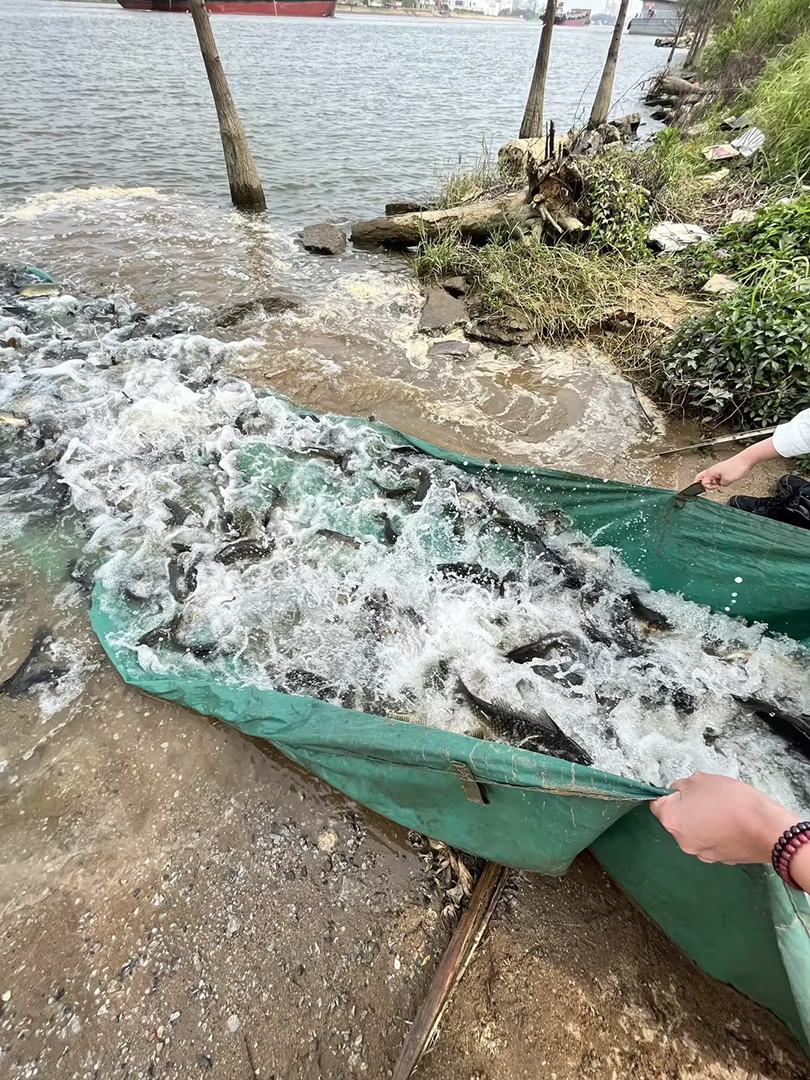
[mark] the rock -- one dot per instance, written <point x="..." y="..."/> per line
<point x="674" y="236"/>
<point x="663" y="114"/>
<point x="328" y="841"/>
<point x="508" y="327"/>
<point x="406" y="207"/>
<point x="456" y="286"/>
<point x="324" y="239"/>
<point x="442" y="312"/>
<point x="204" y="1061"/>
<point x="233" y="1023"/>
<point x="271" y="304"/>
<point x="627" y="125"/>
<point x="742" y="216"/>
<point x="719" y="284"/>
<point x="451" y="347"/>
<point x="586" y="142"/>
<point x="609" y="133"/>
<point x="515" y="156"/>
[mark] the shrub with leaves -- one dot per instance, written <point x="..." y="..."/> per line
<point x="618" y="206"/>
<point x="747" y="362"/>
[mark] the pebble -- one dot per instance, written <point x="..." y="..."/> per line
<point x="6" y="995"/>
<point x="328" y="841"/>
<point x="234" y="1023"/>
<point x="233" y="925"/>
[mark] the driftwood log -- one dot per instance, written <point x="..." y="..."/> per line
<point x="474" y="220"/>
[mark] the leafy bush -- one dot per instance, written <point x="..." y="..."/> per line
<point x="669" y="169"/>
<point x="618" y="207"/>
<point x="748" y="361"/>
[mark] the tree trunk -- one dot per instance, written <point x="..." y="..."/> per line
<point x="601" y="103"/>
<point x="474" y="220"/>
<point x="532" y="126"/>
<point x="246" y="187"/>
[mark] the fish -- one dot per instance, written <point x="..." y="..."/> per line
<point x="182" y="583"/>
<point x="158" y="635"/>
<point x="390" y="535"/>
<point x="12" y="420"/>
<point x="248" y="548"/>
<point x="572" y="576"/>
<point x="395" y="493"/>
<point x="795" y="727"/>
<point x="177" y="511"/>
<point x="422" y="487"/>
<point x="343" y="537"/>
<point x="42" y="288"/>
<point x="654" y="619"/>
<point x="480" y="575"/>
<point x="530" y="731"/>
<point x="406" y="448"/>
<point x="337" y="457"/>
<point x="34" y="670"/>
<point x="571" y="647"/>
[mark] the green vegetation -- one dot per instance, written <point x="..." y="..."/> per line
<point x="618" y="207"/>
<point x="759" y="30"/>
<point x="748" y="361"/>
<point x="563" y="290"/>
<point x="780" y="104"/>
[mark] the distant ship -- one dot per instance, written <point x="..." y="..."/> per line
<point x="574" y="17"/>
<point x="312" y="8"/>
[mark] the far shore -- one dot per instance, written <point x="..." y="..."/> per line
<point x="423" y="13"/>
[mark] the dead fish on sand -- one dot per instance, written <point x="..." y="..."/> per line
<point x="35" y="669"/>
<point x="530" y="731"/>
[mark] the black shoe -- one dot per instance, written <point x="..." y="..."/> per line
<point x="765" y="507"/>
<point x="791" y="487"/>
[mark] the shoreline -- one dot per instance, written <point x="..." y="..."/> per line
<point x="421" y="13"/>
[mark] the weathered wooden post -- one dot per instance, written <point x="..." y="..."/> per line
<point x="532" y="126"/>
<point x="246" y="187"/>
<point x="601" y="103"/>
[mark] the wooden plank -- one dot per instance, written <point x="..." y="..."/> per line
<point x="466" y="937"/>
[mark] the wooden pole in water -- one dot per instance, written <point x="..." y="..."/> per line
<point x="532" y="126"/>
<point x="246" y="187"/>
<point x="453" y="964"/>
<point x="601" y="103"/>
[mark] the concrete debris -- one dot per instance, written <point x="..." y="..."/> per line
<point x="442" y="312"/>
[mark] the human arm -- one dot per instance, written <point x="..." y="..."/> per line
<point x="723" y="473"/>
<point x="789" y="440"/>
<point x="723" y="820"/>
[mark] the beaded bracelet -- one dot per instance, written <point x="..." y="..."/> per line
<point x="785" y="848"/>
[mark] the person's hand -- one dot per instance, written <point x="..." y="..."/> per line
<point x="722" y="820"/>
<point x="723" y="473"/>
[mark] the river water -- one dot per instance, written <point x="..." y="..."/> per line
<point x="342" y="114"/>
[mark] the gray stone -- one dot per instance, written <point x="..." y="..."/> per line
<point x="324" y="239"/>
<point x="271" y="304"/>
<point x="442" y="312"/>
<point x="610" y="133"/>
<point x="451" y="348"/>
<point x="503" y="328"/>
<point x="456" y="286"/>
<point x="718" y="284"/>
<point x="627" y="126"/>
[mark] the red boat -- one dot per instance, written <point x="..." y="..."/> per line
<point x="308" y="8"/>
<point x="574" y="17"/>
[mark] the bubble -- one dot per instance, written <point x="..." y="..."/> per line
<point x="738" y="580"/>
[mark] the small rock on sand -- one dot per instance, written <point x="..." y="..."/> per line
<point x="328" y="841"/>
<point x="449" y="348"/>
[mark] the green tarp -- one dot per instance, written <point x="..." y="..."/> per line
<point x="535" y="812"/>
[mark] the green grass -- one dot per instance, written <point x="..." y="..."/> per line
<point x="564" y="291"/>
<point x="463" y="183"/>
<point x="759" y="30"/>
<point x="780" y="104"/>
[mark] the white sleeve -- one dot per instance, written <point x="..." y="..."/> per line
<point x="793" y="438"/>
